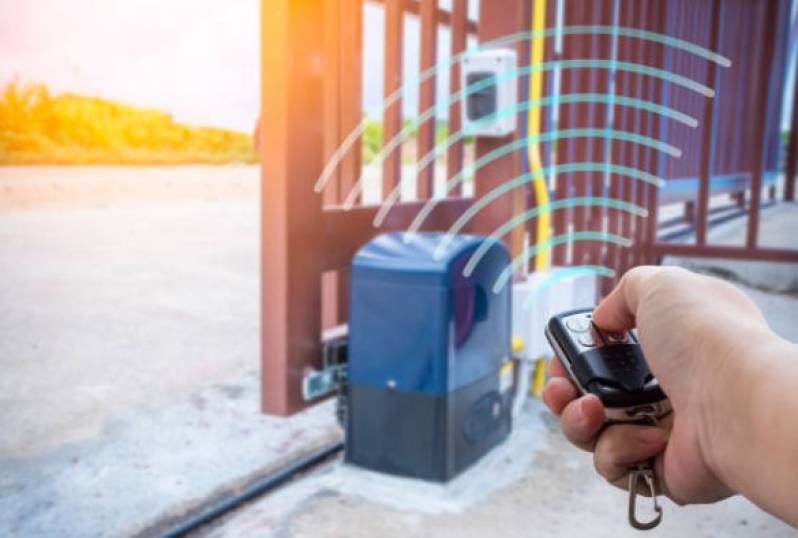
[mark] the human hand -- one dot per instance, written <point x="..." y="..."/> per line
<point x="690" y="327"/>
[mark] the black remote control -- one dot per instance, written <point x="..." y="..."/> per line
<point x="611" y="366"/>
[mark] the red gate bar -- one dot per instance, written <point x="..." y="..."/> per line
<point x="705" y="173"/>
<point x="601" y="47"/>
<point x="760" y="119"/>
<point x="657" y="24"/>
<point x="454" y="155"/>
<point x="426" y="131"/>
<point x="392" y="81"/>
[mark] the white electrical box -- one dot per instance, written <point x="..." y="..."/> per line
<point x="490" y="80"/>
<point x="543" y="295"/>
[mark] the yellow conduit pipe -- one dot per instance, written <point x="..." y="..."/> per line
<point x="536" y="56"/>
<point x="537" y="48"/>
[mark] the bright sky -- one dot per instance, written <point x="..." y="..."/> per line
<point x="198" y="59"/>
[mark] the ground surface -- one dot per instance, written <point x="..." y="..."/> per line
<point x="129" y="384"/>
<point x="534" y="485"/>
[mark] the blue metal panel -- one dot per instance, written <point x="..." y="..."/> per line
<point x="416" y="323"/>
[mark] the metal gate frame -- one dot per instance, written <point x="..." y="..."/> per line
<point x="311" y="98"/>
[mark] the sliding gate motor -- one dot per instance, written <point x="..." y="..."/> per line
<point x="429" y="377"/>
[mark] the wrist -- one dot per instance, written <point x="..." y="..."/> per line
<point x="731" y="399"/>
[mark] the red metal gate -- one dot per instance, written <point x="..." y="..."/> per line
<point x="312" y="75"/>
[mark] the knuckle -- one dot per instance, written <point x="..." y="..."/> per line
<point x="605" y="457"/>
<point x="602" y="463"/>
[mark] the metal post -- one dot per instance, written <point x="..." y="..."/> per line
<point x="760" y="123"/>
<point x="454" y="156"/>
<point x="392" y="81"/>
<point x="705" y="174"/>
<point x="350" y="98"/>
<point x="689" y="212"/>
<point x="426" y="131"/>
<point x="291" y="153"/>
<point x="602" y="48"/>
<point x="659" y="25"/>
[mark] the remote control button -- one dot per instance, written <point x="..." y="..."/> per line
<point x="586" y="339"/>
<point x="578" y="324"/>
<point x="617" y="338"/>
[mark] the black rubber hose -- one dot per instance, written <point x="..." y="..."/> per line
<point x="254" y="489"/>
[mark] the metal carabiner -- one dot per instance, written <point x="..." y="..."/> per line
<point x="644" y="472"/>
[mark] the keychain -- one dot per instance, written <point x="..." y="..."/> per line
<point x="643" y="473"/>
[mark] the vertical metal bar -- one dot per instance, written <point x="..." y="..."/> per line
<point x="748" y="56"/>
<point x="728" y="95"/>
<point x="662" y="96"/>
<point x="601" y="46"/>
<point x="426" y="131"/>
<point x="620" y="115"/>
<point x="392" y="116"/>
<point x="763" y="80"/>
<point x="560" y="218"/>
<point x="329" y="299"/>
<point x="581" y="148"/>
<point x="645" y="122"/>
<point x="292" y="157"/>
<point x="637" y="154"/>
<point x="350" y="87"/>
<point x="343" y="295"/>
<point x="332" y="79"/>
<point x="459" y="30"/>
<point x="791" y="168"/>
<point x="658" y="24"/>
<point x="627" y="184"/>
<point x="499" y="18"/>
<point x="702" y="209"/>
<point x="689" y="212"/>
<point x="739" y="199"/>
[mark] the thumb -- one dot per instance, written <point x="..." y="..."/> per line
<point x="618" y="310"/>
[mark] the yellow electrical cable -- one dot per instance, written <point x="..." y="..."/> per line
<point x="536" y="56"/>
<point x="537" y="48"/>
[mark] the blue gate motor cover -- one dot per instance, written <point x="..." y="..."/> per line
<point x="428" y="394"/>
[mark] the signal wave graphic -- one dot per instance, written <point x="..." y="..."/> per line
<point x="467" y="215"/>
<point x="531" y="213"/>
<point x="538" y="174"/>
<point x="521" y="259"/>
<point x="597" y="98"/>
<point x="442" y="66"/>
<point x="507" y="186"/>
<point x="640" y="69"/>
